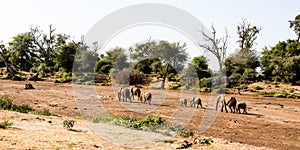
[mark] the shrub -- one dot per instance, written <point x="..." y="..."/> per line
<point x="137" y="78"/>
<point x="258" y="88"/>
<point x="204" y="141"/>
<point x="69" y="124"/>
<point x="205" y="82"/>
<point x="266" y="94"/>
<point x="6" y="103"/>
<point x="4" y="124"/>
<point x="186" y="133"/>
<point x="23" y="108"/>
<point x="44" y="112"/>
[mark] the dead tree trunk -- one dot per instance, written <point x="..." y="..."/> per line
<point x="9" y="67"/>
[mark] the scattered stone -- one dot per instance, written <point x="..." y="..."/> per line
<point x="53" y="104"/>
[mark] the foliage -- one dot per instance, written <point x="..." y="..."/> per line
<point x="64" y="56"/>
<point x="277" y="94"/>
<point x="281" y="62"/>
<point x="103" y="66"/>
<point x="44" y="112"/>
<point x="204" y="141"/>
<point x="137" y="78"/>
<point x="205" y="82"/>
<point x="4" y="124"/>
<point x="22" y="51"/>
<point x="198" y="68"/>
<point x="241" y="61"/>
<point x="148" y="66"/>
<point x="85" y="58"/>
<point x="63" y="78"/>
<point x="247" y="34"/>
<point x="172" y="55"/>
<point x="186" y="133"/>
<point x="7" y="104"/>
<point x="295" y="24"/>
<point x="150" y="123"/>
<point x="41" y="68"/>
<point x="258" y="88"/>
<point x="69" y="124"/>
<point x="174" y="86"/>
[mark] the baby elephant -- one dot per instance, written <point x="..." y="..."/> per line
<point x="241" y="105"/>
<point x="183" y="102"/>
<point x="196" y="102"/>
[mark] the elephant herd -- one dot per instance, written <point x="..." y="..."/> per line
<point x="127" y="93"/>
<point x="194" y="102"/>
<point x="231" y="104"/>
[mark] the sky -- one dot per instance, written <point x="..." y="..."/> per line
<point x="77" y="17"/>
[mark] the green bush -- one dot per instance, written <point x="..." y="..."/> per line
<point x="186" y="133"/>
<point x="150" y="123"/>
<point x="266" y="94"/>
<point x="205" y="82"/>
<point x="44" y="112"/>
<point x="23" y="108"/>
<point x="69" y="124"/>
<point x="258" y="88"/>
<point x="204" y="141"/>
<point x="4" y="124"/>
<point x="205" y="90"/>
<point x="7" y="104"/>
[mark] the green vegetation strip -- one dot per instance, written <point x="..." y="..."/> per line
<point x="7" y="104"/>
<point x="149" y="123"/>
<point x="277" y="94"/>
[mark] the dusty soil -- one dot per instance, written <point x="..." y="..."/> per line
<point x="271" y="123"/>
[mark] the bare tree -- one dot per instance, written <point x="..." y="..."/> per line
<point x="45" y="43"/>
<point x="217" y="46"/>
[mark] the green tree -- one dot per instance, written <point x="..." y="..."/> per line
<point x="295" y="24"/>
<point x="47" y="43"/>
<point x="247" y="34"/>
<point x="245" y="60"/>
<point x="114" y="58"/>
<point x="22" y="52"/>
<point x="201" y="66"/>
<point x="172" y="55"/>
<point x="281" y="62"/>
<point x="64" y="56"/>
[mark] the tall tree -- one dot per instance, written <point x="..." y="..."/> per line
<point x="295" y="24"/>
<point x="22" y="52"/>
<point x="245" y="60"/>
<point x="9" y="67"/>
<point x="172" y="55"/>
<point x="46" y="43"/>
<point x="217" y="46"/>
<point x="281" y="63"/>
<point x="247" y="34"/>
<point x="64" y="56"/>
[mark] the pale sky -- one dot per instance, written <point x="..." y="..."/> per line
<point x="76" y="17"/>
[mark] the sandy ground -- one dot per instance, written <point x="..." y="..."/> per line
<point x="271" y="123"/>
